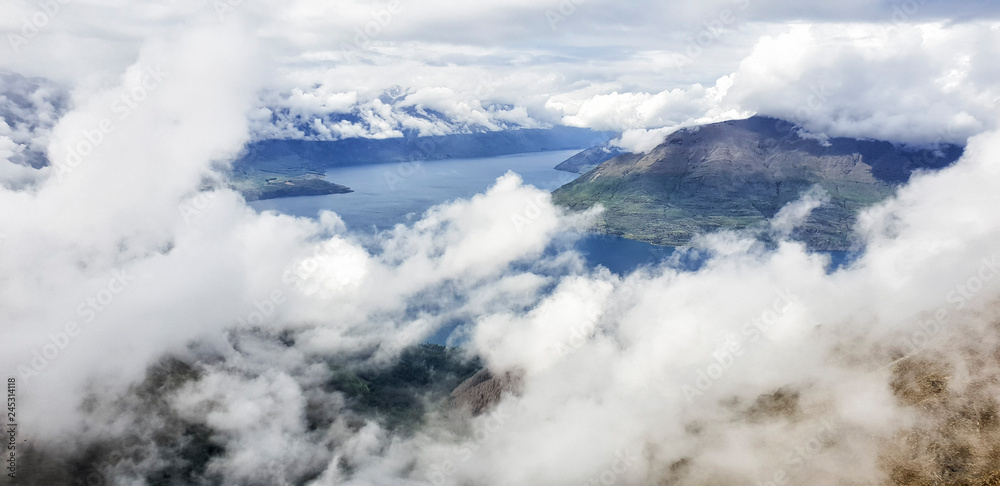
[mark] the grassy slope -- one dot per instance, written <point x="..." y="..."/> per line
<point x="737" y="175"/>
<point x="655" y="210"/>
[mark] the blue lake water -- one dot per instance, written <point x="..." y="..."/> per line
<point x="388" y="194"/>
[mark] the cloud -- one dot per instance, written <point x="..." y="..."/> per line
<point x="901" y="83"/>
<point x="28" y="110"/>
<point x="643" y="110"/>
<point x="672" y="368"/>
<point x="794" y="215"/>
<point x="897" y="82"/>
<point x="762" y="364"/>
<point x="913" y="88"/>
<point x="675" y="65"/>
<point x="110" y="224"/>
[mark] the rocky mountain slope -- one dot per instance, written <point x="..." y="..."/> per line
<point x="587" y="160"/>
<point x="739" y="173"/>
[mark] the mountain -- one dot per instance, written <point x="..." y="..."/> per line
<point x="587" y="159"/>
<point x="739" y="173"/>
<point x="359" y="151"/>
<point x="284" y="168"/>
<point x="484" y="390"/>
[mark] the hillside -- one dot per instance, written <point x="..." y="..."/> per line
<point x="590" y="158"/>
<point x="286" y="168"/>
<point x="737" y="174"/>
<point x="360" y="151"/>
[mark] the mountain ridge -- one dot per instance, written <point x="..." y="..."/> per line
<point x="737" y="174"/>
<point x="290" y="167"/>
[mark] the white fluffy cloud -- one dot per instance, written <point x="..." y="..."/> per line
<point x="924" y="77"/>
<point x="761" y="365"/>
<point x="915" y="84"/>
<point x="28" y="110"/>
<point x="126" y="248"/>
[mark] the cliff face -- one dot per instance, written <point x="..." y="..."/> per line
<point x="737" y="174"/>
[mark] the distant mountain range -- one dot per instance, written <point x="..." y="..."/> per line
<point x="590" y="158"/>
<point x="730" y="175"/>
<point x="283" y="168"/>
<point x="736" y="175"/>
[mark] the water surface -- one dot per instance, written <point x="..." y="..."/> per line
<point x="389" y="194"/>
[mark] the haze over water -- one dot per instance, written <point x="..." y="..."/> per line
<point x="385" y="194"/>
<point x="389" y="194"/>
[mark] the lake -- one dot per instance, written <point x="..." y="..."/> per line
<point x="388" y="194"/>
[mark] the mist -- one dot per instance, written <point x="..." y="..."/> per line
<point x="161" y="331"/>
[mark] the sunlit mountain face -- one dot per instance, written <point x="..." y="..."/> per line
<point x="500" y="242"/>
